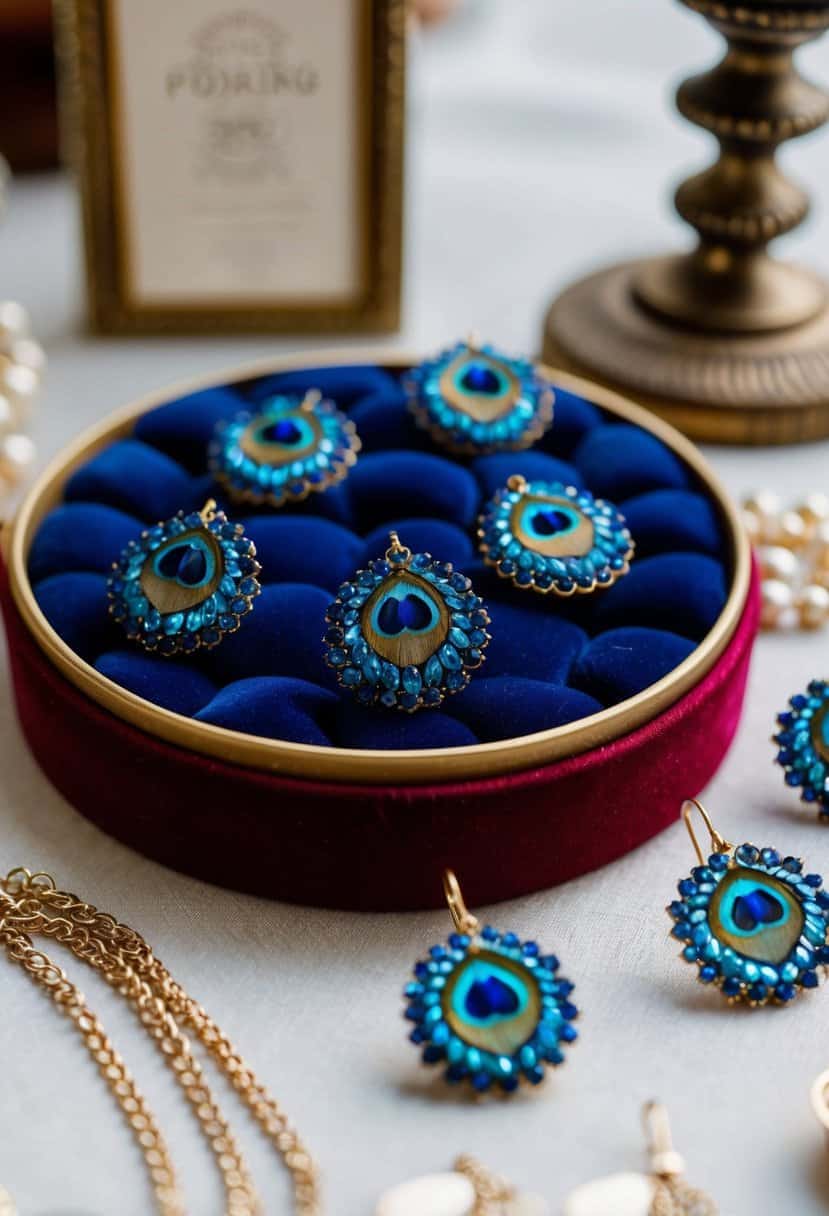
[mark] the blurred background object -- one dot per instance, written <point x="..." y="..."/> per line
<point x="28" y="121"/>
<point x="726" y="342"/>
<point x="432" y="11"/>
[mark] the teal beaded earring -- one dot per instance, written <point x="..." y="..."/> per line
<point x="751" y="921"/>
<point x="491" y="1008"/>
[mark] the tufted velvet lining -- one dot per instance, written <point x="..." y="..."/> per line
<point x="549" y="662"/>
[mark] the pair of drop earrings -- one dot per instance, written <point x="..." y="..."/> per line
<point x="408" y="630"/>
<point x="494" y="1011"/>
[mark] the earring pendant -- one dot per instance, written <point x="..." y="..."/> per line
<point x="750" y="920"/>
<point x="491" y="1009"/>
<point x="185" y="583"/>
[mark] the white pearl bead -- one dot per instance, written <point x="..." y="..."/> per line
<point x="620" y="1194"/>
<point x="432" y="1195"/>
<point x="28" y="353"/>
<point x="778" y="563"/>
<point x="813" y="605"/>
<point x="7" y="414"/>
<point x="18" y="381"/>
<point x="777" y="604"/>
<point x="793" y="529"/>
<point x="815" y="508"/>
<point x="764" y="502"/>
<point x="16" y="454"/>
<point x="14" y="320"/>
<point x="526" y="1204"/>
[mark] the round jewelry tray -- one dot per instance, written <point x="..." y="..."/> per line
<point x="390" y="818"/>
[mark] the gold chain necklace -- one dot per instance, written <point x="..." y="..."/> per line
<point x="31" y="904"/>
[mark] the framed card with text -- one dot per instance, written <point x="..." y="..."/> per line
<point x="240" y="164"/>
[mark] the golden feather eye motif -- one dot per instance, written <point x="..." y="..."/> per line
<point x="554" y="538"/>
<point x="406" y="632"/>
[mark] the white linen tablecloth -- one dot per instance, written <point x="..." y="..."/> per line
<point x="541" y="143"/>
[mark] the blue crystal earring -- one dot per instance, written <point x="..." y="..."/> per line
<point x="472" y="399"/>
<point x="550" y="537"/>
<point x="803" y="745"/>
<point x="185" y="583"/>
<point x="292" y="447"/>
<point x="490" y="1008"/>
<point x="751" y="921"/>
<point x="406" y="632"/>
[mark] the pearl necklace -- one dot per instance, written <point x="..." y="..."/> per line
<point x="792" y="547"/>
<point x="21" y="367"/>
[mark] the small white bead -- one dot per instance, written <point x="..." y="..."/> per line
<point x="794" y="531"/>
<point x="14" y="320"/>
<point x="16" y="454"/>
<point x="813" y="606"/>
<point x="432" y="1195"/>
<point x="7" y="414"/>
<point x="764" y="502"/>
<point x="620" y="1194"/>
<point x="777" y="603"/>
<point x="28" y="353"/>
<point x="526" y="1204"/>
<point x="778" y="563"/>
<point x="815" y="508"/>
<point x="18" y="381"/>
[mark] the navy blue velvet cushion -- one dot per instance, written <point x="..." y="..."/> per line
<point x="550" y="661"/>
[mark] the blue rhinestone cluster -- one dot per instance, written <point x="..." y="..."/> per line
<point x="426" y="1007"/>
<point x="266" y="470"/>
<point x="527" y="412"/>
<point x="204" y="624"/>
<point x="372" y="678"/>
<point x="508" y="547"/>
<point x="803" y="743"/>
<point x="739" y="976"/>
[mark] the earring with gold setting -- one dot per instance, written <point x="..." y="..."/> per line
<point x="751" y="921"/>
<point x="662" y="1192"/>
<point x="406" y="632"/>
<point x="490" y="1008"/>
<point x="472" y="399"/>
<point x="184" y="584"/>
<point x="292" y="447"/>
<point x="553" y="538"/>
<point x="803" y="745"/>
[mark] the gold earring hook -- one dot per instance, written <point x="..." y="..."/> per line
<point x="463" y="919"/>
<point x="718" y="843"/>
<point x="665" y="1161"/>
<point x="208" y="511"/>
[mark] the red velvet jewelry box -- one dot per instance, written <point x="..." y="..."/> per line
<point x="175" y="762"/>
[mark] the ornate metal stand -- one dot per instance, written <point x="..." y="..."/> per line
<point x="726" y="342"/>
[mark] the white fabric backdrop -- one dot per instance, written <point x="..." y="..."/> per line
<point x="540" y="143"/>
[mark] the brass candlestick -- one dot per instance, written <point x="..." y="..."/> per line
<point x="726" y="342"/>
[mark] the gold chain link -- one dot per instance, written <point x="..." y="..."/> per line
<point x="32" y="904"/>
<point x="69" y="1000"/>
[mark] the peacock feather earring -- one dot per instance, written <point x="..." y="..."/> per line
<point x="186" y="583"/>
<point x="472" y="399"/>
<point x="492" y="1009"/>
<point x="553" y="538"/>
<point x="803" y="745"/>
<point x="292" y="447"/>
<point x="751" y="921"/>
<point x="406" y="632"/>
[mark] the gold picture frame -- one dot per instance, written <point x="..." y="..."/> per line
<point x="93" y="59"/>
